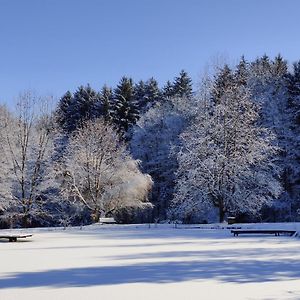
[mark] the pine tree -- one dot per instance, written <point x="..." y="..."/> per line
<point x="279" y="67"/>
<point x="168" y="90"/>
<point x="294" y="83"/>
<point x="222" y="82"/>
<point x="241" y="74"/>
<point x="125" y="108"/>
<point x="183" y="85"/>
<point x="63" y="111"/>
<point x="153" y="93"/>
<point x="84" y="104"/>
<point x="146" y="94"/>
<point x="140" y="95"/>
<point x="104" y="108"/>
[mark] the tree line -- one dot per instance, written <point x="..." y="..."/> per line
<point x="143" y="153"/>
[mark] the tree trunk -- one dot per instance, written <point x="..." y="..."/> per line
<point x="25" y="221"/>
<point x="95" y="216"/>
<point x="221" y="210"/>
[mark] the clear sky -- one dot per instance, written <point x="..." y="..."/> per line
<point x="53" y="46"/>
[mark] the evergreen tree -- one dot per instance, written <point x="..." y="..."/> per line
<point x="104" y="108"/>
<point x="293" y="172"/>
<point x="241" y="74"/>
<point x="269" y="89"/>
<point x="125" y="108"/>
<point x="146" y="94"/>
<point x="153" y="93"/>
<point x="279" y="67"/>
<point x="294" y="83"/>
<point x="222" y="82"/>
<point x="63" y="117"/>
<point x="84" y="105"/>
<point x="140" y="95"/>
<point x="168" y="90"/>
<point x="183" y="85"/>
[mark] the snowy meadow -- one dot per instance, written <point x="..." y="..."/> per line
<point x="160" y="262"/>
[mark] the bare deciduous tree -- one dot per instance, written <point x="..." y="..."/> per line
<point x="100" y="173"/>
<point x="27" y="146"/>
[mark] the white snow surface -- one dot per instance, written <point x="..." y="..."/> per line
<point x="161" y="262"/>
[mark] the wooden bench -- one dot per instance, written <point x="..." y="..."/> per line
<point x="14" y="237"/>
<point x="277" y="232"/>
<point x="107" y="221"/>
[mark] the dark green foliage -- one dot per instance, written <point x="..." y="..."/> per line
<point x="104" y="107"/>
<point x="75" y="109"/>
<point x="152" y="90"/>
<point x="279" y="67"/>
<point x="293" y="81"/>
<point x="168" y="90"/>
<point x="221" y="83"/>
<point x="63" y="110"/>
<point x="140" y="95"/>
<point x="125" y="107"/>
<point x="241" y="74"/>
<point x="183" y="85"/>
<point x="146" y="94"/>
<point x="84" y="104"/>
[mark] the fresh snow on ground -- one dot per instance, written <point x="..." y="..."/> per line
<point x="161" y="262"/>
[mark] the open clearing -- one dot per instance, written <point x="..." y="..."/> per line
<point x="135" y="262"/>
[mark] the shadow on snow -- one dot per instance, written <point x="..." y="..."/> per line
<point x="224" y="270"/>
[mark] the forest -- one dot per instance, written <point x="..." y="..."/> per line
<point x="228" y="145"/>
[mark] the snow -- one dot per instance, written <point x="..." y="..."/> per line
<point x="160" y="262"/>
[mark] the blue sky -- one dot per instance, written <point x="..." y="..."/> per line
<point x="55" y="45"/>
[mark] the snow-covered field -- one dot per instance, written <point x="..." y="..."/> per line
<point x="136" y="262"/>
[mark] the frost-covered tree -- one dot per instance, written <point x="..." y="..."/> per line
<point x="293" y="170"/>
<point x="227" y="159"/>
<point x="155" y="141"/>
<point x="27" y="146"/>
<point x="5" y="179"/>
<point x="100" y="174"/>
<point x="269" y="89"/>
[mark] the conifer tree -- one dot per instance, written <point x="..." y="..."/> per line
<point x="84" y="103"/>
<point x="104" y="108"/>
<point x="125" y="108"/>
<point x="140" y="95"/>
<point x="222" y="82"/>
<point x="241" y="74"/>
<point x="168" y="90"/>
<point x="153" y="93"/>
<point x="183" y="85"/>
<point x="63" y="117"/>
<point x="279" y="67"/>
<point x="146" y="94"/>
